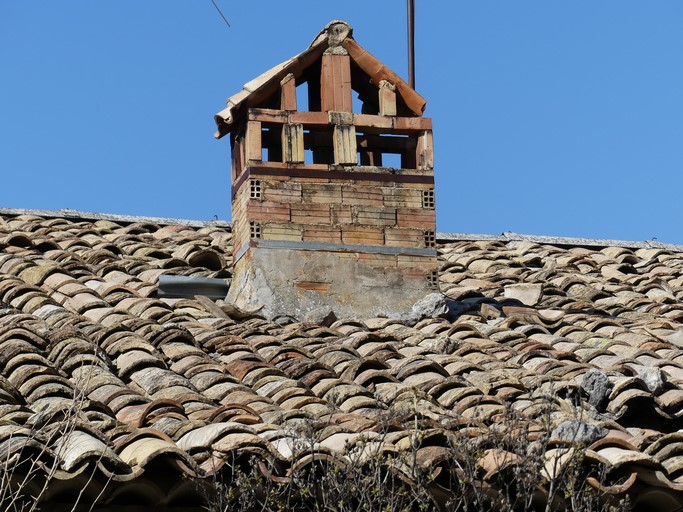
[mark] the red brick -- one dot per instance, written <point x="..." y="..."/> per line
<point x="253" y="146"/>
<point x="341" y="214"/>
<point x="401" y="197"/>
<point x="323" y="234"/>
<point x="288" y="93"/>
<point x="362" y="235"/>
<point x="335" y="89"/>
<point x="403" y="237"/>
<point x="367" y="196"/>
<point x="412" y="123"/>
<point x="281" y="192"/>
<point x="309" y="118"/>
<point x="310" y="213"/>
<point x="372" y="216"/>
<point x="378" y="260"/>
<point x="416" y="218"/>
<point x="424" y="263"/>
<point x="268" y="211"/>
<point x="372" y="121"/>
<point x="282" y="231"/>
<point x="324" y="193"/>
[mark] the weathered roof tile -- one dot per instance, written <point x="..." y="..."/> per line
<point x="193" y="383"/>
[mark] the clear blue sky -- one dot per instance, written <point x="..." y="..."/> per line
<point x="550" y="117"/>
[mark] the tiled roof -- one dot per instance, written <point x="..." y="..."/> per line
<point x="180" y="387"/>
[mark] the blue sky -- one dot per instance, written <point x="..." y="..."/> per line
<point x="550" y="117"/>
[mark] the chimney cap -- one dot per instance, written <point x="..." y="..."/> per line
<point x="334" y="32"/>
<point x="335" y="38"/>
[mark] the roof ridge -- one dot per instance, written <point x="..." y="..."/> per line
<point x="509" y="236"/>
<point x="77" y="214"/>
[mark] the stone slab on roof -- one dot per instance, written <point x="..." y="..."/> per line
<point x="184" y="387"/>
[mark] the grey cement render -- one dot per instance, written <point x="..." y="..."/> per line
<point x="273" y="281"/>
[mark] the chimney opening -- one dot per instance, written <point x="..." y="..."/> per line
<point x="272" y="143"/>
<point x="395" y="151"/>
<point x="302" y="97"/>
<point x="309" y="154"/>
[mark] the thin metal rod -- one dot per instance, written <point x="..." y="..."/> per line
<point x="411" y="43"/>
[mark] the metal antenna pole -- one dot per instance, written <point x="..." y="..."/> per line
<point x="411" y="43"/>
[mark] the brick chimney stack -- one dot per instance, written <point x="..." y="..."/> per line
<point x="332" y="210"/>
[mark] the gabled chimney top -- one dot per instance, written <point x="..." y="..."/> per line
<point x="336" y="37"/>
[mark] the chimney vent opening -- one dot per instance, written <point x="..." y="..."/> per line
<point x="433" y="280"/>
<point x="254" y="229"/>
<point x="430" y="238"/>
<point x="428" y="199"/>
<point x="255" y="189"/>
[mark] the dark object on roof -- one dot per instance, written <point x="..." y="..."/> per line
<point x="182" y="286"/>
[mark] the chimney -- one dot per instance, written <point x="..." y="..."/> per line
<point x="332" y="209"/>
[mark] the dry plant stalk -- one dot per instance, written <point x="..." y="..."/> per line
<point x="30" y="458"/>
<point x="369" y="478"/>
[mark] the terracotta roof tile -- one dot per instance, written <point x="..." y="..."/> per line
<point x="193" y="384"/>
